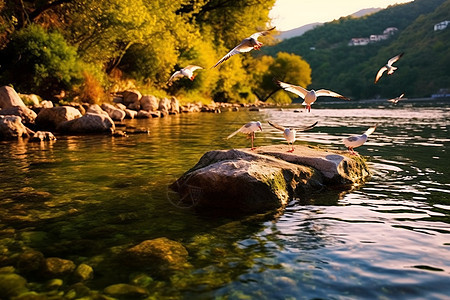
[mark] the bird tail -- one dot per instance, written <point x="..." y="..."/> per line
<point x="233" y="134"/>
<point x="370" y="130"/>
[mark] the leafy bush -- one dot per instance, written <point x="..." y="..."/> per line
<point x="36" y="61"/>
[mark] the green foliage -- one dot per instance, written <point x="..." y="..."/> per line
<point x="351" y="70"/>
<point x="285" y="67"/>
<point x="36" y="61"/>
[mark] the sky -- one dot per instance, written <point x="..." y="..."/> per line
<point x="289" y="14"/>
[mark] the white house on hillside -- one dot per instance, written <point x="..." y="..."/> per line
<point x="390" y="31"/>
<point x="359" y="42"/>
<point x="441" y="26"/>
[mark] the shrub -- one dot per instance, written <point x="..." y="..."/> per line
<point x="36" y="61"/>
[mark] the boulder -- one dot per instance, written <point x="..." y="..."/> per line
<point x="149" y="103"/>
<point x="50" y="118"/>
<point x="83" y="272"/>
<point x="11" y="127"/>
<point x="30" y="261"/>
<point x="46" y="104"/>
<point x="40" y="136"/>
<point x="9" y="97"/>
<point x="30" y="100"/>
<point x="57" y="267"/>
<point x="113" y="112"/>
<point x="174" y="105"/>
<point x="131" y="99"/>
<point x="89" y="123"/>
<point x="164" y="105"/>
<point x="266" y="178"/>
<point x="12" y="285"/>
<point x="28" y="116"/>
<point x="143" y="114"/>
<point x="96" y="109"/>
<point x="162" y="253"/>
<point x="130" y="114"/>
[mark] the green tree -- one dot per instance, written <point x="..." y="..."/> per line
<point x="36" y="61"/>
<point x="285" y="67"/>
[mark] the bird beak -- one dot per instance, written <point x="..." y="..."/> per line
<point x="260" y="128"/>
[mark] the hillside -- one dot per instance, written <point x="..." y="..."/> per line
<point x="297" y="31"/>
<point x="351" y="70"/>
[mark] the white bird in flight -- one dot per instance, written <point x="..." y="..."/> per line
<point x="247" y="45"/>
<point x="289" y="133"/>
<point x="248" y="129"/>
<point x="186" y="71"/>
<point x="309" y="96"/>
<point x="357" y="140"/>
<point x="388" y="67"/>
<point x="395" y="100"/>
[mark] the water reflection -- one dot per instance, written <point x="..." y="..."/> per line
<point x="87" y="197"/>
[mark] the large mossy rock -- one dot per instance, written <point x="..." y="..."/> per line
<point x="265" y="179"/>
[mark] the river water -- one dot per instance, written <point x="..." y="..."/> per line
<point x="85" y="198"/>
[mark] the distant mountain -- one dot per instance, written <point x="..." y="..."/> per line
<point x="302" y="29"/>
<point x="297" y="31"/>
<point x="365" y="12"/>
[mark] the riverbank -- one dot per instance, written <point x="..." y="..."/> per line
<point x="41" y="120"/>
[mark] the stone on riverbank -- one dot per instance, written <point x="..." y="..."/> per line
<point x="89" y="123"/>
<point x="265" y="179"/>
<point x="51" y="118"/>
<point x="28" y="116"/>
<point x="9" y="97"/>
<point x="11" y="127"/>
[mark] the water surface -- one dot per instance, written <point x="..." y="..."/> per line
<point x="86" y="198"/>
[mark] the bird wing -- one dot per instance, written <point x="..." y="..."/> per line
<point x="370" y="130"/>
<point x="394" y="59"/>
<point x="328" y="93"/>
<point x="401" y="96"/>
<point x="175" y="75"/>
<point x="244" y="46"/>
<point x="261" y="33"/>
<point x="308" y="127"/>
<point x="277" y="126"/>
<point x="237" y="131"/>
<point x="298" y="90"/>
<point x="380" y="72"/>
<point x="352" y="138"/>
<point x="193" y="67"/>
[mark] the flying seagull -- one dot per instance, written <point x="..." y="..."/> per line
<point x="395" y="100"/>
<point x="187" y="71"/>
<point x="388" y="67"/>
<point x="248" y="129"/>
<point x="247" y="45"/>
<point x="309" y="96"/>
<point x="357" y="140"/>
<point x="289" y="133"/>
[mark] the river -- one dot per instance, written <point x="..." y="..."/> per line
<point x="84" y="198"/>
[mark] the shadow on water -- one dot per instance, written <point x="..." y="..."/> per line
<point x="86" y="198"/>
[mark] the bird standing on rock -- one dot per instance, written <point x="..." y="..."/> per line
<point x="309" y="96"/>
<point x="247" y="45"/>
<point x="248" y="129"/>
<point x="289" y="133"/>
<point x="358" y="140"/>
<point x="187" y="71"/>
